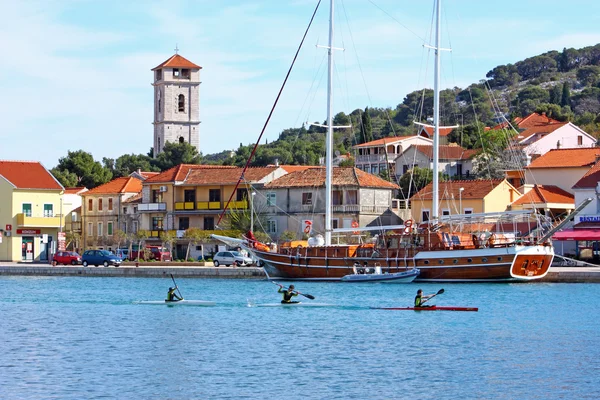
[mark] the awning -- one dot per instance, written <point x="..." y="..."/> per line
<point x="577" y="234"/>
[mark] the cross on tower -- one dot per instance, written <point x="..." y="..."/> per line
<point x="176" y="49"/>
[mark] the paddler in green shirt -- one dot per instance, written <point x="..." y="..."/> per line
<point x="172" y="296"/>
<point x="287" y="294"/>
<point x="420" y="298"/>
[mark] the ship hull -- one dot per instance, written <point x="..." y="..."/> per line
<point x="516" y="263"/>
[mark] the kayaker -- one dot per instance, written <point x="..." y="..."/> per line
<point x="172" y="296"/>
<point x="419" y="298"/>
<point x="287" y="294"/>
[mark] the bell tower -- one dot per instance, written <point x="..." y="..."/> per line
<point x="176" y="103"/>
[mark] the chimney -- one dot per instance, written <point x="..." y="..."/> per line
<point x="139" y="171"/>
<point x="277" y="162"/>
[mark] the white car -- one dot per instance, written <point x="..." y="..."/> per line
<point x="228" y="258"/>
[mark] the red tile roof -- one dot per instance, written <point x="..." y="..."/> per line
<point x="342" y="176"/>
<point x="383" y="141"/>
<point x="474" y="189"/>
<point x="226" y="176"/>
<point x="28" y="175"/>
<point x="125" y="184"/>
<point x="540" y="130"/>
<point x="293" y="168"/>
<point x="176" y="61"/>
<point x="179" y="172"/>
<point x="590" y="179"/>
<point x="146" y="174"/>
<point x="567" y="158"/>
<point x="75" y="190"/>
<point x="447" y="152"/>
<point x="533" y="119"/>
<point x="546" y="194"/>
<point x="443" y="131"/>
<point x="134" y="199"/>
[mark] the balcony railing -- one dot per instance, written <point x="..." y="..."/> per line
<point x="152" y="207"/>
<point x="344" y="208"/>
<point x="375" y="158"/>
<point x="46" y="220"/>
<point x="210" y="205"/>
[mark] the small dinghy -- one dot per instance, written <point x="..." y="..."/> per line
<point x="178" y="303"/>
<point x="379" y="276"/>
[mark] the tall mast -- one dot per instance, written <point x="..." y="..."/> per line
<point x="329" y="138"/>
<point x="436" y="117"/>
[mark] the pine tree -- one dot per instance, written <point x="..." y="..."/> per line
<point x="367" y="128"/>
<point x="566" y="95"/>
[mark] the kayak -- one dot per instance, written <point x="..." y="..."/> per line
<point x="298" y="304"/>
<point x="393" y="277"/>
<point x="178" y="303"/>
<point x="432" y="308"/>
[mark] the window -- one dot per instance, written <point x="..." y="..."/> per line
<point x="209" y="223"/>
<point x="271" y="199"/>
<point x="214" y="195"/>
<point x="185" y="73"/>
<point x="352" y="197"/>
<point x="175" y="72"/>
<point x="271" y="226"/>
<point x="48" y="211"/>
<point x="181" y="103"/>
<point x="109" y="228"/>
<point x="468" y="211"/>
<point x="306" y="199"/>
<point x="110" y="205"/>
<point x="337" y="197"/>
<point x="156" y="196"/>
<point x="158" y="74"/>
<point x="404" y="169"/>
<point x="124" y="226"/>
<point x="181" y="139"/>
<point x="124" y="210"/>
<point x="445" y="212"/>
<point x="99" y="204"/>
<point x="189" y="195"/>
<point x="241" y="194"/>
<point x="90" y="229"/>
<point x="135" y="226"/>
<point x="157" y="223"/>
<point x="335" y="223"/>
<point x="158" y="147"/>
<point x="73" y="217"/>
<point x="579" y="140"/>
<point x="27" y="209"/>
<point x="425" y="215"/>
<point x="100" y="228"/>
<point x="184" y="223"/>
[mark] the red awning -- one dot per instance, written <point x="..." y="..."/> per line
<point x="577" y="234"/>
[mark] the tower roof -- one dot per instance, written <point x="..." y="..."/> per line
<point x="176" y="61"/>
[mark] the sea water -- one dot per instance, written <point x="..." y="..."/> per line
<point x="85" y="338"/>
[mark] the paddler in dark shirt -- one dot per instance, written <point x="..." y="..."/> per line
<point x="287" y="294"/>
<point x="172" y="296"/>
<point x="419" y="298"/>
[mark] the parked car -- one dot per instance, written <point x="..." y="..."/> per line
<point x="123" y="254"/>
<point x="67" y="257"/>
<point x="100" y="257"/>
<point x="155" y="253"/>
<point x="228" y="258"/>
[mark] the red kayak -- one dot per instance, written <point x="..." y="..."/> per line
<point x="432" y="308"/>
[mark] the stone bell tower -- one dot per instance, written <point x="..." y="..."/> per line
<point x="176" y="103"/>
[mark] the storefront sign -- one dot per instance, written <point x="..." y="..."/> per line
<point x="61" y="241"/>
<point x="589" y="218"/>
<point x="8" y="227"/>
<point x="29" y="231"/>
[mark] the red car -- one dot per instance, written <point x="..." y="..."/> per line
<point x="154" y="252"/>
<point x="67" y="257"/>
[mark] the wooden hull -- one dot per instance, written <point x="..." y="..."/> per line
<point x="516" y="263"/>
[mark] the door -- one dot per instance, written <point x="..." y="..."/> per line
<point x="27" y="248"/>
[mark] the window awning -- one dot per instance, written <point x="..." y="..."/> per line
<point x="577" y="234"/>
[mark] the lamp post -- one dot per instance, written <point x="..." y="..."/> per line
<point x="252" y="211"/>
<point x="460" y="210"/>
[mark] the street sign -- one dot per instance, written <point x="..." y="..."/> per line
<point x="8" y="227"/>
<point x="45" y="238"/>
<point x="62" y="241"/>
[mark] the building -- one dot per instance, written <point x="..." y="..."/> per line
<point x="176" y="103"/>
<point x="427" y="131"/>
<point x="547" y="200"/>
<point x="103" y="211"/>
<point x="464" y="197"/>
<point x="380" y="155"/>
<point x="454" y="161"/>
<point x="30" y="216"/>
<point x="561" y="167"/>
<point x="359" y="199"/>
<point x="71" y="203"/>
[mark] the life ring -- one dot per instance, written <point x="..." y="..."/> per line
<point x="408" y="226"/>
<point x="355" y="225"/>
<point x="308" y="226"/>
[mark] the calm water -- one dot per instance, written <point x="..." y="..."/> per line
<point x="82" y="338"/>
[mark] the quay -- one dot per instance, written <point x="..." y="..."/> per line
<point x="585" y="274"/>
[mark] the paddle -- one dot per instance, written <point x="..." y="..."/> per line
<point x="439" y="292"/>
<point x="308" y="296"/>
<point x="177" y="287"/>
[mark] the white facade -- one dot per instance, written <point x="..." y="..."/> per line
<point x="176" y="107"/>
<point x="568" y="136"/>
<point x="412" y="157"/>
<point x="563" y="177"/>
<point x="374" y="159"/>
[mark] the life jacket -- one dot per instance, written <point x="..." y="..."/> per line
<point x="418" y="300"/>
<point x="287" y="296"/>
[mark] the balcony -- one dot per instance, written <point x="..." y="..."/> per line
<point x="210" y="205"/>
<point x="183" y="206"/>
<point x="376" y="158"/>
<point x="27" y="220"/>
<point x="152" y="207"/>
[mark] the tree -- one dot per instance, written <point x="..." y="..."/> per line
<point x="366" y="127"/>
<point x="89" y="173"/>
<point x="589" y="75"/>
<point x="169" y="238"/>
<point x="66" y="178"/>
<point x="194" y="236"/>
<point x="566" y="95"/>
<point x="72" y="238"/>
<point x="555" y="94"/>
<point x="141" y="235"/>
<point x="128" y="163"/>
<point x="175" y="154"/>
<point x="288" y="236"/>
<point x="120" y="237"/>
<point x="414" y="180"/>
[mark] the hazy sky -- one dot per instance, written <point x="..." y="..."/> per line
<point x="75" y="74"/>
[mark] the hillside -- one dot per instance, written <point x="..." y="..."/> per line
<point x="565" y="85"/>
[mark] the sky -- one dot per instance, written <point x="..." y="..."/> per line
<point x="76" y="74"/>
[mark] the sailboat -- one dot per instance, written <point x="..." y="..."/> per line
<point x="440" y="253"/>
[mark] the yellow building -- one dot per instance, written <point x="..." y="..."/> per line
<point x="30" y="211"/>
<point x="464" y="197"/>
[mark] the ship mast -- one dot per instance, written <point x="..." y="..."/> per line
<point x="329" y="137"/>
<point x="436" y="118"/>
